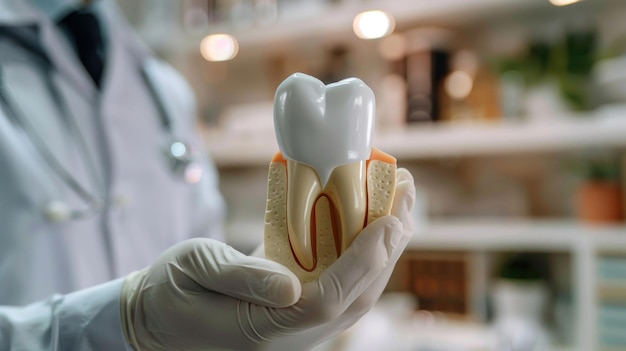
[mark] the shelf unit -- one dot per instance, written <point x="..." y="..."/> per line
<point x="337" y="18"/>
<point x="584" y="244"/>
<point x="302" y="22"/>
<point x="604" y="129"/>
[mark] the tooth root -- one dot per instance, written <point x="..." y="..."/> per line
<point x="346" y="189"/>
<point x="303" y="188"/>
<point x="326" y="246"/>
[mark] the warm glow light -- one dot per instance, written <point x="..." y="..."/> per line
<point x="219" y="47"/>
<point x="373" y="24"/>
<point x="459" y="84"/>
<point x="193" y="173"/>
<point x="563" y="2"/>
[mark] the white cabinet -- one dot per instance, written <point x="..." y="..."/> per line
<point x="585" y="245"/>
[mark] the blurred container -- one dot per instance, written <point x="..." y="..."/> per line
<point x="611" y="325"/>
<point x="610" y="78"/>
<point x="599" y="198"/>
<point x="544" y="102"/>
<point x="612" y="269"/>
<point x="425" y="74"/>
<point x="439" y="281"/>
<point x="599" y="202"/>
<point x="519" y="308"/>
<point x="520" y="301"/>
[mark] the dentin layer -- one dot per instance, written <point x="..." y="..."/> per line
<point x="346" y="194"/>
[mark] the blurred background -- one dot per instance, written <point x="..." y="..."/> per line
<point x="511" y="115"/>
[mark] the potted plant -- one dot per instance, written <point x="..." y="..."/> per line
<point x="556" y="75"/>
<point x="599" y="197"/>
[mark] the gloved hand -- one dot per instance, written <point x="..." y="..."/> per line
<point x="204" y="295"/>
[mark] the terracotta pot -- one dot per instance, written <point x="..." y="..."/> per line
<point x="600" y="202"/>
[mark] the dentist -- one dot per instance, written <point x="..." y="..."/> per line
<point x="110" y="215"/>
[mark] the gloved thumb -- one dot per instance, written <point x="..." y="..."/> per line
<point x="212" y="265"/>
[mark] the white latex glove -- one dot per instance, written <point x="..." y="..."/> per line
<point x="204" y="295"/>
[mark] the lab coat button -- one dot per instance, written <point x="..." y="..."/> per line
<point x="120" y="200"/>
<point x="57" y="211"/>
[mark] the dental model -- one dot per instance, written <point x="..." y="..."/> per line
<point x="327" y="182"/>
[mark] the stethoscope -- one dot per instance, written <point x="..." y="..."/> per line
<point x="181" y="157"/>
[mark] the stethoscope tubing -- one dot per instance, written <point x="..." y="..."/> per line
<point x="94" y="203"/>
<point x="18" y="117"/>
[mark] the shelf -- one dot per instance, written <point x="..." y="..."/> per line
<point x="514" y="235"/>
<point x="610" y="244"/>
<point x="324" y="20"/>
<point x="330" y="21"/>
<point x="445" y="140"/>
<point x="570" y="133"/>
<point x="489" y="234"/>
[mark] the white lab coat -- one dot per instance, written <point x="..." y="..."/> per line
<point x="150" y="207"/>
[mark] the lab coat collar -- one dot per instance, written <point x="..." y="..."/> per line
<point x="29" y="11"/>
<point x="22" y="21"/>
<point x="18" y="12"/>
<point x="56" y="9"/>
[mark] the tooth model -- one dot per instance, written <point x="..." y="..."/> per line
<point x="327" y="182"/>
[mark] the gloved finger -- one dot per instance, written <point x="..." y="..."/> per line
<point x="403" y="202"/>
<point x="218" y="267"/>
<point x="363" y="260"/>
<point x="347" y="278"/>
<point x="404" y="199"/>
<point x="373" y="292"/>
<point x="368" y="298"/>
<point x="361" y="305"/>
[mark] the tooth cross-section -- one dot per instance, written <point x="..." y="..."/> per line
<point x="307" y="227"/>
<point x="346" y="194"/>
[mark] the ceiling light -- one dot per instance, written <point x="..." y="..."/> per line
<point x="219" y="47"/>
<point x="563" y="2"/>
<point x="373" y="24"/>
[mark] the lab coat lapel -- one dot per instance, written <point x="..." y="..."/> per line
<point x="31" y="29"/>
<point x="65" y="61"/>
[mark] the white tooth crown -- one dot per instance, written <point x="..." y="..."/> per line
<point x="324" y="126"/>
<point x="327" y="182"/>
